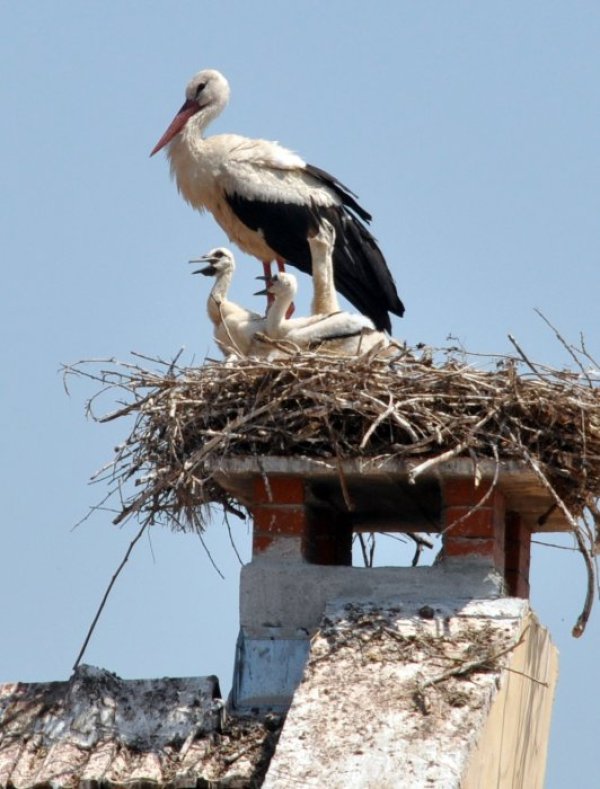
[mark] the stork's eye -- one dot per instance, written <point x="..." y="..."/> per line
<point x="218" y="254"/>
<point x="200" y="88"/>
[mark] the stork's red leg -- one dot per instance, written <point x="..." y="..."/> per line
<point x="292" y="308"/>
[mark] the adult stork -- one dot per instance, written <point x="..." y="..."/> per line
<point x="269" y="201"/>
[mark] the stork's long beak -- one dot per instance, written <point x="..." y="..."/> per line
<point x="208" y="271"/>
<point x="266" y="279"/>
<point x="188" y="109"/>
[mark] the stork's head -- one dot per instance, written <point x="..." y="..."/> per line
<point x="324" y="240"/>
<point x="220" y="261"/>
<point x="206" y="95"/>
<point x="282" y="286"/>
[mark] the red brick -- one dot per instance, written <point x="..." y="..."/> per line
<point x="326" y="551"/>
<point x="498" y="503"/>
<point x="281" y="490"/>
<point x="260" y="542"/>
<point x="518" y="543"/>
<point x="463" y="493"/>
<point x="333" y="547"/>
<point x="477" y="523"/>
<point x="467" y="546"/>
<point x="475" y="546"/>
<point x="518" y="557"/>
<point x="285" y="521"/>
<point x="517" y="584"/>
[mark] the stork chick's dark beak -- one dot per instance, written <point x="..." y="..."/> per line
<point x="265" y="278"/>
<point x="187" y="109"/>
<point x="208" y="271"/>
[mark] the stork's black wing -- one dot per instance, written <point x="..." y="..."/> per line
<point x="360" y="271"/>
<point x="346" y="195"/>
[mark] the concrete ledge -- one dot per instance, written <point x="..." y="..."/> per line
<point x="289" y="599"/>
<point x="282" y="606"/>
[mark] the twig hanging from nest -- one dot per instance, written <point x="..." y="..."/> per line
<point x="187" y="420"/>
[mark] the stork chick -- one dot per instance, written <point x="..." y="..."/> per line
<point x="234" y="326"/>
<point x="342" y="333"/>
<point x="322" y="245"/>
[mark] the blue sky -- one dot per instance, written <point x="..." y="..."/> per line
<point x="469" y="131"/>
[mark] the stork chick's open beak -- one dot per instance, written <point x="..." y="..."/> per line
<point x="186" y="111"/>
<point x="208" y="271"/>
<point x="268" y="279"/>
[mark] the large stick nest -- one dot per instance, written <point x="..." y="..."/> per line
<point x="424" y="405"/>
<point x="187" y="419"/>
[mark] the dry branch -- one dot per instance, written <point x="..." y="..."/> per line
<point x="438" y="406"/>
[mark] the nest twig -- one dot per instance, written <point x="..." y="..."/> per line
<point x="186" y="420"/>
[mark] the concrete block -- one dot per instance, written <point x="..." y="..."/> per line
<point x="267" y="671"/>
<point x="293" y="597"/>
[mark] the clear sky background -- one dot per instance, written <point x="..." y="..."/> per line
<point x="469" y="130"/>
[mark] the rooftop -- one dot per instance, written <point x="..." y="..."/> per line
<point x="97" y="729"/>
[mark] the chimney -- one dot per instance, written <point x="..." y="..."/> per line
<point x="301" y="585"/>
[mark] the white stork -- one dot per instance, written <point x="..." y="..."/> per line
<point x="234" y="326"/>
<point x="340" y="332"/>
<point x="322" y="247"/>
<point x="269" y="201"/>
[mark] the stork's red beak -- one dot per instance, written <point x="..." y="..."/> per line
<point x="188" y="109"/>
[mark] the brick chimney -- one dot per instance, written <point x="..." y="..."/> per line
<point x="305" y="514"/>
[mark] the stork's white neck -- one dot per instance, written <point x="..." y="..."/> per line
<point x="192" y="165"/>
<point x="191" y="136"/>
<point x="194" y="128"/>
<point x="218" y="295"/>
<point x="188" y="168"/>
<point x="277" y="312"/>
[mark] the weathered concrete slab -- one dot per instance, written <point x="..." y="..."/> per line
<point x="511" y="749"/>
<point x="398" y="699"/>
<point x="289" y="599"/>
